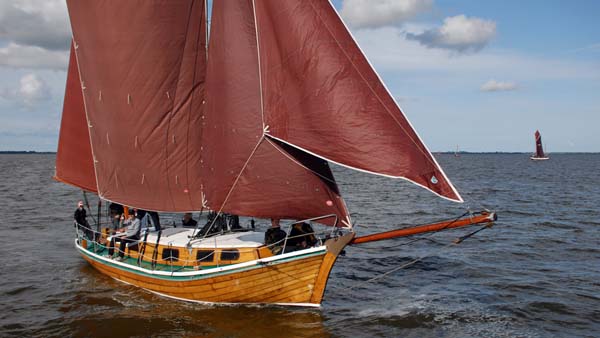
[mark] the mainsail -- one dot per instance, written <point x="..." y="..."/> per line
<point x="539" y="150"/>
<point x="74" y="164"/>
<point x="245" y="172"/>
<point x="245" y="128"/>
<point x="320" y="94"/>
<point x="142" y="66"/>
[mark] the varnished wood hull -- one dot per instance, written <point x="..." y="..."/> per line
<point x="293" y="279"/>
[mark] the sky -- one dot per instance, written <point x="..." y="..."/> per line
<point x="480" y="75"/>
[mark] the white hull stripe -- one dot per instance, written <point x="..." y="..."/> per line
<point x="201" y="274"/>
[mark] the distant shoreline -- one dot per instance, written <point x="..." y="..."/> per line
<point x="33" y="152"/>
<point x="26" y="152"/>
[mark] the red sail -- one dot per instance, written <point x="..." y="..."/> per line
<point x="246" y="172"/>
<point x="320" y="94"/>
<point x="539" y="150"/>
<point x="142" y="66"/>
<point x="74" y="164"/>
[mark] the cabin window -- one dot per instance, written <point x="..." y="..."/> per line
<point x="170" y="255"/>
<point x="205" y="255"/>
<point x="230" y="255"/>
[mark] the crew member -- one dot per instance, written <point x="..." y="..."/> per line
<point x="116" y="211"/>
<point x="188" y="221"/>
<point x="274" y="237"/>
<point x="132" y="234"/>
<point x="82" y="223"/>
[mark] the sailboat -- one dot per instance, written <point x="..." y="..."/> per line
<point x="539" y="150"/>
<point x="161" y="117"/>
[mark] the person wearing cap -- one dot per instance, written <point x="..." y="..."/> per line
<point x="82" y="223"/>
<point x="132" y="233"/>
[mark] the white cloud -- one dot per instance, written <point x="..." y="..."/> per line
<point x="459" y="33"/>
<point x="496" y="86"/>
<point x="18" y="56"/>
<point x="31" y="90"/>
<point x="377" y="13"/>
<point x="390" y="51"/>
<point x="42" y="23"/>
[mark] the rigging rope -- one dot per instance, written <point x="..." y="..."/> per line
<point x="418" y="259"/>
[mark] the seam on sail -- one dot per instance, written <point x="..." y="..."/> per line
<point x="260" y="86"/>
<point x="173" y="107"/>
<point x="87" y="118"/>
<point x="190" y="110"/>
<point x="364" y="170"/>
<point x="380" y="100"/>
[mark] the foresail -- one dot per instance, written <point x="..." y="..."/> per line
<point x="142" y="66"/>
<point x="74" y="163"/>
<point x="321" y="95"/>
<point x="246" y="172"/>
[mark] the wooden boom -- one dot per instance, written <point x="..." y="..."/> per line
<point x="483" y="217"/>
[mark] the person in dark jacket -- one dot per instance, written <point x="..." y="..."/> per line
<point x="188" y="221"/>
<point x="82" y="223"/>
<point x="116" y="211"/>
<point x="274" y="237"/>
<point x="301" y="237"/>
<point x="155" y="220"/>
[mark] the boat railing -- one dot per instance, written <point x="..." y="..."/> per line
<point x="99" y="246"/>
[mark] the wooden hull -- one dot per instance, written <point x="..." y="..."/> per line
<point x="297" y="278"/>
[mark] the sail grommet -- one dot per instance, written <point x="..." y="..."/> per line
<point x="434" y="179"/>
